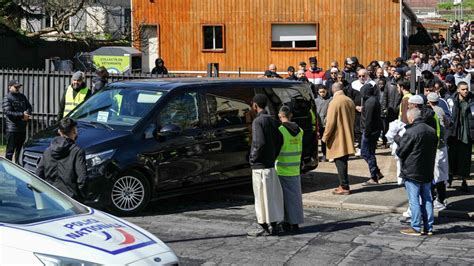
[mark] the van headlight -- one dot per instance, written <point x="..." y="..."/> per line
<point x="95" y="159"/>
<point x="51" y="260"/>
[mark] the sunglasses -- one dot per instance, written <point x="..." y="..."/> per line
<point x="361" y="76"/>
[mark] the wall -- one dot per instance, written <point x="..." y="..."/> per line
<point x="369" y="29"/>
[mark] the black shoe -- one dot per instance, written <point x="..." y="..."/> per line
<point x="464" y="186"/>
<point x="379" y="175"/>
<point x="258" y="232"/>
<point x="294" y="228"/>
<point x="323" y="159"/>
<point x="275" y="230"/>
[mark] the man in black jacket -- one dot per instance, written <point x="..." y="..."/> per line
<point x="461" y="134"/>
<point x="371" y="125"/>
<point x="64" y="163"/>
<point x="266" y="145"/>
<point x="18" y="112"/>
<point x="100" y="79"/>
<point x="417" y="152"/>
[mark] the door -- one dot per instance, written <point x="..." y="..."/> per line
<point x="149" y="46"/>
<point x="182" y="159"/>
<point x="230" y="123"/>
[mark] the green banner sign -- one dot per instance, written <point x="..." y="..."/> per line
<point x="113" y="64"/>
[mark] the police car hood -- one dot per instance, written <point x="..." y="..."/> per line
<point x="95" y="237"/>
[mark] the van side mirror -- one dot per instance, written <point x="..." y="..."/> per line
<point x="169" y="130"/>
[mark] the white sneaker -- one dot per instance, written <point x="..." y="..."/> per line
<point x="407" y="213"/>
<point x="357" y="153"/>
<point x="438" y="206"/>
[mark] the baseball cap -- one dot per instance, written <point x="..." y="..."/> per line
<point x="416" y="99"/>
<point x="349" y="61"/>
<point x="433" y="97"/>
<point x="450" y="78"/>
<point x="291" y="68"/>
<point x="302" y="63"/>
<point x="334" y="70"/>
<point x="313" y="59"/>
<point x="14" y="82"/>
<point x="399" y="59"/>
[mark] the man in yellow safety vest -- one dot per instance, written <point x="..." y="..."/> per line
<point x="288" y="170"/>
<point x="75" y="94"/>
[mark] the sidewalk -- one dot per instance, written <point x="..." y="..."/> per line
<point x="386" y="197"/>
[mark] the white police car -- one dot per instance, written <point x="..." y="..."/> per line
<point x="41" y="226"/>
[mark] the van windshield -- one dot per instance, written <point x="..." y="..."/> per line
<point x="117" y="108"/>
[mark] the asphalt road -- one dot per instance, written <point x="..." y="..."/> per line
<point x="210" y="229"/>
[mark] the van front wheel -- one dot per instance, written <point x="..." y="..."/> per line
<point x="130" y="193"/>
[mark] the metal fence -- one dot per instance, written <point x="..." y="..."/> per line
<point x="44" y="90"/>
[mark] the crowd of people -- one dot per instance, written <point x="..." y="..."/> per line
<point x="429" y="125"/>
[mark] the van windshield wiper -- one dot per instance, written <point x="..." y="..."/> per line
<point x="102" y="124"/>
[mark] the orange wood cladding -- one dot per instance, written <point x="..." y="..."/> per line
<point x="368" y="29"/>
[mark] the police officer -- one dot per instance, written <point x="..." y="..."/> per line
<point x="288" y="170"/>
<point x="75" y="94"/>
<point x="18" y="111"/>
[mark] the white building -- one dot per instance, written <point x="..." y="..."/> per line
<point x="102" y="19"/>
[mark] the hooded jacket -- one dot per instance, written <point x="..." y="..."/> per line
<point x="64" y="166"/>
<point x="322" y="108"/>
<point x="292" y="128"/>
<point x="266" y="141"/>
<point x="371" y="123"/>
<point x="14" y="106"/>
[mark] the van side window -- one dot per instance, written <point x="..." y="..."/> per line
<point x="228" y="107"/>
<point x="181" y="111"/>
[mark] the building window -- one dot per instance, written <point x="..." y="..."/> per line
<point x="295" y="36"/>
<point x="213" y="37"/>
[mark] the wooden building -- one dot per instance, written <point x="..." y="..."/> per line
<point x="251" y="34"/>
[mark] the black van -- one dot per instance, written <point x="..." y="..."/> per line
<point x="152" y="139"/>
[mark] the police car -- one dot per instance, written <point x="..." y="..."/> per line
<point x="39" y="225"/>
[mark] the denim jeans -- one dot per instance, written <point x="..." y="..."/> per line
<point x="369" y="144"/>
<point x="424" y="212"/>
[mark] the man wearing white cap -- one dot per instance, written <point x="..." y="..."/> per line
<point x="441" y="174"/>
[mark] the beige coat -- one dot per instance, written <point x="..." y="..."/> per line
<point x="339" y="132"/>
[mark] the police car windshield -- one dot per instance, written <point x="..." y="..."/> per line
<point x="25" y="198"/>
<point x="118" y="107"/>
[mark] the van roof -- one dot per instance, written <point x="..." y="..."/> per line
<point x="171" y="83"/>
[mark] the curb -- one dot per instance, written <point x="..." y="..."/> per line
<point x="308" y="203"/>
<point x="382" y="209"/>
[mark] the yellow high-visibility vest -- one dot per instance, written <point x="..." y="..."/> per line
<point x="71" y="102"/>
<point x="289" y="161"/>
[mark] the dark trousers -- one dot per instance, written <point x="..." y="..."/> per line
<point x="357" y="131"/>
<point x="369" y="144"/>
<point x="323" y="145"/>
<point x="440" y="191"/>
<point x="341" y="165"/>
<point x="15" y="141"/>
<point x="385" y="124"/>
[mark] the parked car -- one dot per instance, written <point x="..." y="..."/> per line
<point x="39" y="225"/>
<point x="152" y="139"/>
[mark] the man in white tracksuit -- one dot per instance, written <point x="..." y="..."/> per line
<point x="441" y="174"/>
